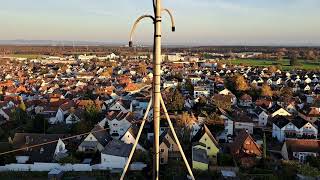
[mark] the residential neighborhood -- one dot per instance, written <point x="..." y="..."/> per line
<point x="83" y="113"/>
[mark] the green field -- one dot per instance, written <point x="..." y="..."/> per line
<point x="284" y="64"/>
<point x="28" y="56"/>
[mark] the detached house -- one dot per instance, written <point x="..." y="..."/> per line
<point x="168" y="147"/>
<point x="245" y="149"/>
<point x="119" y="122"/>
<point x="121" y="105"/>
<point x="47" y="153"/>
<point x="205" y="140"/>
<point x="130" y="137"/>
<point x="300" y="149"/>
<point x="260" y="116"/>
<point x="245" y="100"/>
<point x="310" y="114"/>
<point x="95" y="141"/>
<point x="115" y="154"/>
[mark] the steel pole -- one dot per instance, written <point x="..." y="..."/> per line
<point x="156" y="90"/>
<point x="126" y="167"/>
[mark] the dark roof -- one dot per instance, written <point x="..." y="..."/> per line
<point x="200" y="155"/>
<point x="117" y="148"/>
<point x="201" y="132"/>
<point x="37" y="154"/>
<point x="299" y="122"/>
<point x="102" y="135"/>
<point x="280" y="121"/>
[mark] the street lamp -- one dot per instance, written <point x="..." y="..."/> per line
<point x="156" y="99"/>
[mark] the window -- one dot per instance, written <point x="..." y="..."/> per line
<point x="209" y="148"/>
<point x="162" y="150"/>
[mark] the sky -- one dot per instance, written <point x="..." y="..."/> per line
<point x="198" y="22"/>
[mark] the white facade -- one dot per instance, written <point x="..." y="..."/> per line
<point x="113" y="162"/>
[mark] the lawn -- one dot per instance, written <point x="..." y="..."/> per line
<point x="285" y="63"/>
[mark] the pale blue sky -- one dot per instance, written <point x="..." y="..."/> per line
<point x="205" y="22"/>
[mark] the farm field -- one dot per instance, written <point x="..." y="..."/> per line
<point x="28" y="56"/>
<point x="284" y="64"/>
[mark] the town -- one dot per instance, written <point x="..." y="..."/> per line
<point x="239" y="112"/>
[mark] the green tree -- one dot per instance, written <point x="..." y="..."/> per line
<point x="37" y="124"/>
<point x="69" y="160"/>
<point x="293" y="56"/>
<point x="189" y="86"/>
<point x="92" y="114"/>
<point x="19" y="116"/>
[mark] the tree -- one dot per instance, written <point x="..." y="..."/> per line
<point x="240" y="83"/>
<point x="185" y="121"/>
<point x="142" y="69"/>
<point x="37" y="124"/>
<point x="189" y="86"/>
<point x="266" y="91"/>
<point x="19" y="116"/>
<point x="264" y="146"/>
<point x="175" y="101"/>
<point x="310" y="55"/>
<point x="213" y="119"/>
<point x="293" y="56"/>
<point x="222" y="101"/>
<point x="286" y="92"/>
<point x="280" y="53"/>
<point x="92" y="113"/>
<point x="69" y="160"/>
<point x="273" y="69"/>
<point x="2" y="133"/>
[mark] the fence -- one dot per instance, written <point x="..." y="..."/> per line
<point x="65" y="167"/>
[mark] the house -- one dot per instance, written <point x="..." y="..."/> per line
<point x="245" y="149"/>
<point x="300" y="149"/>
<point x="243" y="121"/>
<point x="205" y="140"/>
<point x="115" y="154"/>
<point x="121" y="105"/>
<point x="130" y="137"/>
<point x="245" y="100"/>
<point x="74" y="116"/>
<point x="278" y="111"/>
<point x="310" y="114"/>
<point x="119" y="122"/>
<point x="168" y="147"/>
<point x="95" y="141"/>
<point x="46" y="153"/>
<point x="287" y="127"/>
<point x="200" y="160"/>
<point x="261" y="116"/>
<point x="200" y="92"/>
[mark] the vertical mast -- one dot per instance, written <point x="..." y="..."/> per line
<point x="156" y="90"/>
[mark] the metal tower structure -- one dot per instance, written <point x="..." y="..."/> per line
<point x="156" y="101"/>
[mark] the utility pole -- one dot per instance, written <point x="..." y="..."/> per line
<point x="156" y="89"/>
<point x="157" y="100"/>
